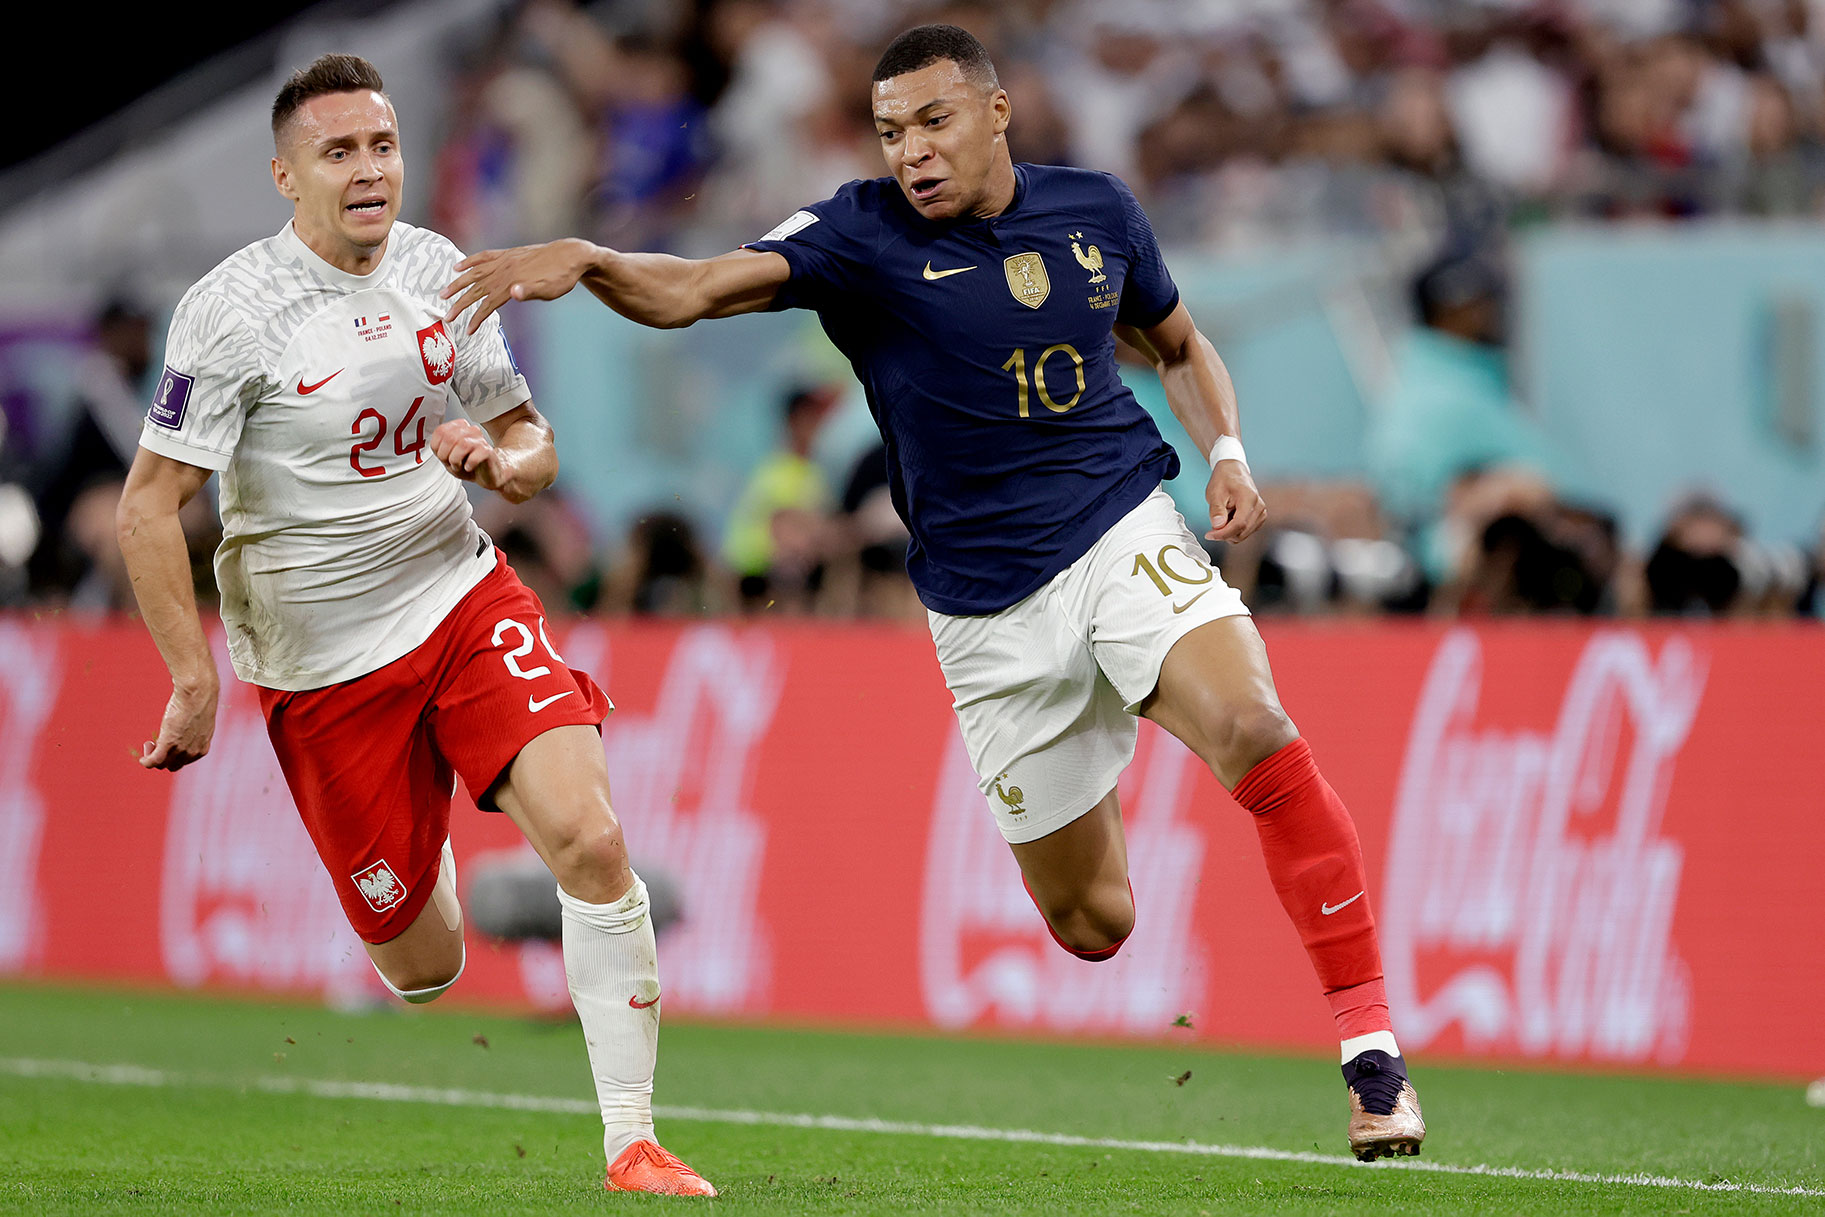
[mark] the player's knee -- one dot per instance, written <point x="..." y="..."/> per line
<point x="1095" y="926"/>
<point x="419" y="982"/>
<point x="1243" y="738"/>
<point x="588" y="853"/>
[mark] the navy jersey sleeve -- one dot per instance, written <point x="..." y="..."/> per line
<point x="1148" y="294"/>
<point x="830" y="247"/>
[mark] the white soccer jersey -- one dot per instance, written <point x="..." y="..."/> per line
<point x="314" y="393"/>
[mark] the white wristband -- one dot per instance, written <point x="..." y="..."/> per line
<point x="1227" y="448"/>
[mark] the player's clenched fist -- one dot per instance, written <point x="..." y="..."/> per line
<point x="526" y="272"/>
<point x="465" y="450"/>
<point x="185" y="731"/>
<point x="1236" y="508"/>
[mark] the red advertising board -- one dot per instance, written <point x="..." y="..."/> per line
<point x="1587" y="846"/>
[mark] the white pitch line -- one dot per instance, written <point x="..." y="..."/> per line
<point x="135" y="1075"/>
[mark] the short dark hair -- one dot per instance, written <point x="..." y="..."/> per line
<point x="333" y="73"/>
<point x="924" y="45"/>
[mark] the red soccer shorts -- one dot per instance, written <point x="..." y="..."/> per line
<point x="371" y="761"/>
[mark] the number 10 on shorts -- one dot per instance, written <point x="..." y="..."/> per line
<point x="1162" y="564"/>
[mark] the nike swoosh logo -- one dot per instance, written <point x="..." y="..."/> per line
<point x="1328" y="909"/>
<point x="637" y="1004"/>
<point x="536" y="706"/>
<point x="304" y="389"/>
<point x="944" y="274"/>
<point x="1179" y="608"/>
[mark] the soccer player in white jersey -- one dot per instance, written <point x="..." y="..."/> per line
<point x="392" y="646"/>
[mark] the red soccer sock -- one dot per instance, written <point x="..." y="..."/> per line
<point x="1107" y="952"/>
<point x="1360" y="1009"/>
<point x="1315" y="862"/>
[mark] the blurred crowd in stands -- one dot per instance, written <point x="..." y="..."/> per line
<point x="1431" y="129"/>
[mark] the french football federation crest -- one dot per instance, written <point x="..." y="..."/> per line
<point x="378" y="885"/>
<point x="437" y="352"/>
<point x="1012" y="797"/>
<point x="1027" y="279"/>
<point x="1091" y="261"/>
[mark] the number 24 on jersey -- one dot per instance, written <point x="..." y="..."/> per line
<point x="401" y="446"/>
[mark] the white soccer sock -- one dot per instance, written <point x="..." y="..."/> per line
<point x="611" y="961"/>
<point x="1382" y="1041"/>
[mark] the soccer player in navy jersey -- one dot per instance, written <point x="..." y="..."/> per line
<point x="979" y="302"/>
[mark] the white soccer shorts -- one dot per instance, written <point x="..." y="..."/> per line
<point x="1046" y="690"/>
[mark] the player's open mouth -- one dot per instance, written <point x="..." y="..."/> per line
<point x="367" y="207"/>
<point x="923" y="188"/>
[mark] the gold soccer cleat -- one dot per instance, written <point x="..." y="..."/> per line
<point x="646" y="1167"/>
<point x="1385" y="1119"/>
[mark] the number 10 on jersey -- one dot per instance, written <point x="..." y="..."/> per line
<point x="1017" y="364"/>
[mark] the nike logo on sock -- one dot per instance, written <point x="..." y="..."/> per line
<point x="637" y="1004"/>
<point x="1328" y="909"/>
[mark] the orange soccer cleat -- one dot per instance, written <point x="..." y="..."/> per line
<point x="646" y="1166"/>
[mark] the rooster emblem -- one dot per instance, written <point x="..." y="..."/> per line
<point x="1013" y="796"/>
<point x="1091" y="261"/>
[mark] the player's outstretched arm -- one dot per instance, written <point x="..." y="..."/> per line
<point x="654" y="289"/>
<point x="158" y="563"/>
<point x="516" y="457"/>
<point x="1203" y="397"/>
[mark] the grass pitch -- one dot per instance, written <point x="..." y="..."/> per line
<point x="206" y="1105"/>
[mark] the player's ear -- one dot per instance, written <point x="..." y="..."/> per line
<point x="1003" y="108"/>
<point x="281" y="179"/>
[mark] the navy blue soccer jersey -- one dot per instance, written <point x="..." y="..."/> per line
<point x="987" y="352"/>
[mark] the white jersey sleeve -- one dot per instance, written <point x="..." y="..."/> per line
<point x="212" y="376"/>
<point x="487" y="384"/>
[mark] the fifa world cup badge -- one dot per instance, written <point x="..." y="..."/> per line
<point x="1027" y="279"/>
